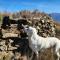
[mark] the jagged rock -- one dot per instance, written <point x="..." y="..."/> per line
<point x="6" y="55"/>
<point x="44" y="26"/>
<point x="2" y="42"/>
<point x="3" y="48"/>
<point x="17" y="56"/>
<point x="11" y="41"/>
<point x="6" y="35"/>
<point x="11" y="48"/>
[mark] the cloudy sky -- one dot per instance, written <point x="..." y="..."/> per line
<point x="48" y="6"/>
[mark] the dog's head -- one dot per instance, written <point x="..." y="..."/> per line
<point x="29" y="30"/>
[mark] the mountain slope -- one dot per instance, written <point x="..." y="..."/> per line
<point x="55" y="16"/>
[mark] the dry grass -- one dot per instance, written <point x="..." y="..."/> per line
<point x="57" y="25"/>
<point x="57" y="30"/>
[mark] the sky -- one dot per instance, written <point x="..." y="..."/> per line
<point x="48" y="6"/>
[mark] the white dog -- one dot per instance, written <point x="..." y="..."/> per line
<point x="38" y="43"/>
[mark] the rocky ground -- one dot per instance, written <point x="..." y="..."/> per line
<point x="13" y="42"/>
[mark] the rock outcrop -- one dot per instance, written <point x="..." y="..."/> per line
<point x="13" y="41"/>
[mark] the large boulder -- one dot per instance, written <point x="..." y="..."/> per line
<point x="41" y="21"/>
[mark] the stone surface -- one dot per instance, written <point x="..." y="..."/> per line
<point x="13" y="40"/>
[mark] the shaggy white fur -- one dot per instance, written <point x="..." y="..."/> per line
<point x="38" y="43"/>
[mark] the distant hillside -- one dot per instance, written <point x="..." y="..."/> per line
<point x="57" y="29"/>
<point x="57" y="25"/>
<point x="55" y="16"/>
